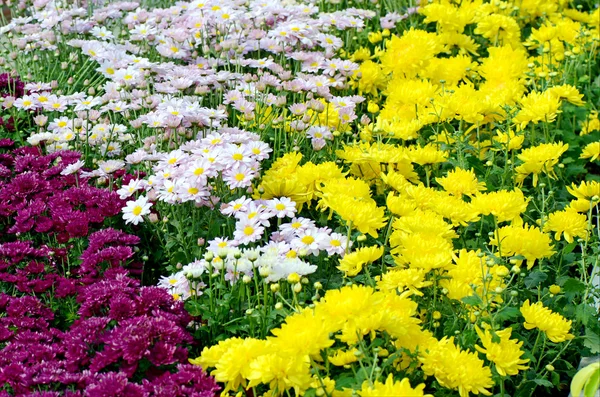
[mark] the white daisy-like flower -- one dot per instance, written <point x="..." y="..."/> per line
<point x="134" y="210"/>
<point x="72" y="168"/>
<point x="282" y="207"/>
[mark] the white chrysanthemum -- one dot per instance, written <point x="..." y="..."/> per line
<point x="134" y="211"/>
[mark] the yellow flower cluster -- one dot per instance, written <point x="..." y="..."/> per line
<point x="284" y="360"/>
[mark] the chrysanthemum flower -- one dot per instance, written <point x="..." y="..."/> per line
<point x="586" y="190"/>
<point x="504" y="205"/>
<point x="457" y="369"/>
<point x="505" y="354"/>
<point x="536" y="107"/>
<point x="591" y="151"/>
<point x="402" y="279"/>
<point x="353" y="263"/>
<point x="458" y="182"/>
<point x="527" y="241"/>
<point x="555" y="326"/>
<point x="567" y="222"/>
<point x="538" y="159"/>
<point x="392" y="388"/>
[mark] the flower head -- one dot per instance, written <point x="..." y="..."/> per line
<point x="505" y="354"/>
<point x="555" y="326"/>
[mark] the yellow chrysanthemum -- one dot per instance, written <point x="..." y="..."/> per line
<point x="428" y="154"/>
<point x="591" y="124"/>
<point x="569" y="223"/>
<point x="555" y="326"/>
<point x="369" y="78"/>
<point x="527" y="241"/>
<point x="392" y="388"/>
<point x="505" y="354"/>
<point x="499" y="29"/>
<point x="458" y="182"/>
<point x="341" y="357"/>
<point x="281" y="373"/>
<point x="504" y="205"/>
<point x="457" y="369"/>
<point x="538" y="159"/>
<point x="536" y="107"/>
<point x="352" y="264"/>
<point x="591" y="151"/>
<point x="403" y="279"/>
<point x="509" y="140"/>
<point x="586" y="190"/>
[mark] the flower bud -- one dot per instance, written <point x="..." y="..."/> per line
<point x="278" y="306"/>
<point x="554" y="289"/>
<point x="293" y="278"/>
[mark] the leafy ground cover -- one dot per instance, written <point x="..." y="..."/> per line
<point x="320" y="198"/>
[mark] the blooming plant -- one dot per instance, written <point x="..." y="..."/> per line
<point x="292" y="197"/>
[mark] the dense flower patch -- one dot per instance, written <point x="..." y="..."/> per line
<point x="340" y="198"/>
<point x="80" y="326"/>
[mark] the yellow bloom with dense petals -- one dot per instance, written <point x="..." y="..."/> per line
<point x="399" y="205"/>
<point x="504" y="205"/>
<point x="363" y="215"/>
<point x="568" y="223"/>
<point x="423" y="251"/>
<point x="509" y="140"/>
<point x="536" y="107"/>
<point x="281" y="372"/>
<point x="591" y="151"/>
<point x="428" y="154"/>
<point x="505" y="354"/>
<point x="341" y="357"/>
<point x="425" y="222"/>
<point x="469" y="274"/>
<point x="567" y="92"/>
<point x="555" y="326"/>
<point x="460" y="182"/>
<point x="369" y="78"/>
<point x="352" y="264"/>
<point x="302" y="333"/>
<point x="539" y="159"/>
<point x="449" y="70"/>
<point x="586" y="190"/>
<point x="233" y="368"/>
<point x="407" y="55"/>
<point x="456" y="369"/>
<point x="499" y="29"/>
<point x="403" y="279"/>
<point x="527" y="241"/>
<point x="391" y="388"/>
<point x="591" y="124"/>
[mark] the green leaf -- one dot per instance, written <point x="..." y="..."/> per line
<point x="543" y="382"/>
<point x="572" y="287"/>
<point x="591" y="340"/>
<point x="472" y="300"/>
<point x="584" y="313"/>
<point x="555" y="378"/>
<point x="535" y="278"/>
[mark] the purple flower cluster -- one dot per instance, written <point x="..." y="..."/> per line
<point x="11" y="86"/>
<point x="125" y="334"/>
<point x="80" y="325"/>
<point x="39" y="198"/>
